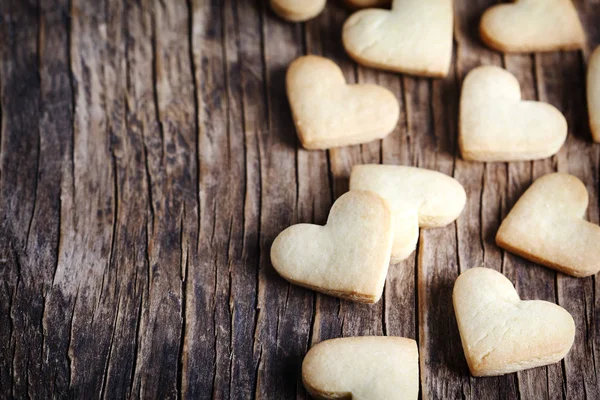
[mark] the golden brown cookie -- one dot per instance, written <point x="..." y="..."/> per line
<point x="348" y="257"/>
<point x="532" y="25"/>
<point x="501" y="333"/>
<point x="329" y="113"/>
<point x="496" y="125"/>
<point x="547" y="226"/>
<point x="297" y="10"/>
<point x="418" y="197"/>
<point x="369" y="367"/>
<point x="414" y="37"/>
<point x="593" y="93"/>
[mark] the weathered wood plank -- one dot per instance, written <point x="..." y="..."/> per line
<point x="128" y="261"/>
<point x="211" y="312"/>
<point x="134" y="186"/>
<point x="254" y="124"/>
<point x="81" y="297"/>
<point x="284" y="310"/>
<point x="171" y="161"/>
<point x="22" y="276"/>
<point x="57" y="134"/>
<point x="228" y="171"/>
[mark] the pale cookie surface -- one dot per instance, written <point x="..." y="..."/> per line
<point x="500" y="333"/>
<point x="328" y="112"/>
<point x="415" y="37"/>
<point x="496" y="125"/>
<point x="417" y="197"/>
<point x="547" y="226"/>
<point x="363" y="368"/>
<point x="532" y="25"/>
<point x="297" y="10"/>
<point x="348" y="257"/>
<point x="593" y="93"/>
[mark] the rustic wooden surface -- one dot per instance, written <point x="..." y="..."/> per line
<point x="148" y="160"/>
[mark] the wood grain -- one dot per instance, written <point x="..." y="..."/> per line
<point x="148" y="159"/>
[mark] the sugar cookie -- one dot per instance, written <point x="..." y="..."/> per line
<point x="532" y="25"/>
<point x="501" y="333"/>
<point x="361" y="368"/>
<point x="496" y="125"/>
<point x="417" y="197"/>
<point x="593" y="93"/>
<point x="348" y="257"/>
<point x="297" y="10"/>
<point x="547" y="226"/>
<point x="328" y="112"/>
<point x="415" y="37"/>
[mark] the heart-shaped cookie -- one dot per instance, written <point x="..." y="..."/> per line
<point x="532" y="25"/>
<point x="546" y="226"/>
<point x="496" y="125"/>
<point x="370" y="367"/>
<point x="417" y="197"/>
<point x="297" y="10"/>
<point x="415" y="37"/>
<point x="348" y="257"/>
<point x="593" y="93"/>
<point x="328" y="112"/>
<point x="501" y="333"/>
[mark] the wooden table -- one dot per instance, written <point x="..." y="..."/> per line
<point x="148" y="159"/>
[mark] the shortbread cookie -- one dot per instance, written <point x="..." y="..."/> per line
<point x="500" y="333"/>
<point x="297" y="10"/>
<point x="363" y="368"/>
<point x="496" y="125"/>
<point x="593" y="93"/>
<point x="415" y="37"/>
<point x="546" y="226"/>
<point x="417" y="197"/>
<point x="367" y="3"/>
<point x="329" y="113"/>
<point x="532" y="25"/>
<point x="348" y="258"/>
